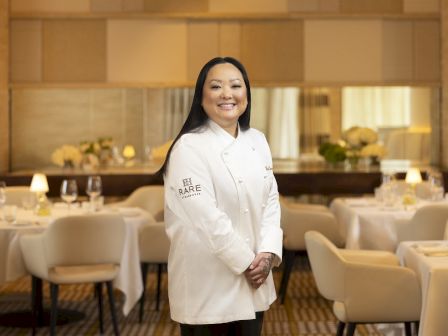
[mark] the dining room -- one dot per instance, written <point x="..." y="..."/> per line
<point x="352" y="100"/>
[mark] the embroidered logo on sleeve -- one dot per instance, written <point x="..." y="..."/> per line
<point x="268" y="168"/>
<point x="189" y="189"/>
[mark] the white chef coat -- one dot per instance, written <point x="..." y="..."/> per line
<point x="221" y="209"/>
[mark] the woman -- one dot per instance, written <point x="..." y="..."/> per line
<point x="221" y="210"/>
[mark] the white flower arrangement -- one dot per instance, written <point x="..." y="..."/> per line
<point x="357" y="137"/>
<point x="66" y="155"/>
<point x="373" y="150"/>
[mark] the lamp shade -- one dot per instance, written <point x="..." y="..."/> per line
<point x="413" y="176"/>
<point x="129" y="152"/>
<point x="39" y="183"/>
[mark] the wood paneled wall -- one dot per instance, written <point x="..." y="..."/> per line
<point x="77" y="42"/>
<point x="444" y="53"/>
<point x="278" y="51"/>
<point x="228" y="6"/>
<point x="4" y="85"/>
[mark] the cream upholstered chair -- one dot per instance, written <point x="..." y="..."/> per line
<point x="428" y="223"/>
<point x="154" y="248"/>
<point x="15" y="194"/>
<point x="366" y="286"/>
<point x="150" y="198"/>
<point x="296" y="219"/>
<point x="76" y="249"/>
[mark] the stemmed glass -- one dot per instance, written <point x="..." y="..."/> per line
<point x="94" y="188"/>
<point x="2" y="193"/>
<point x="69" y="191"/>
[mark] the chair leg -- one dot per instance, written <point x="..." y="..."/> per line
<point x="144" y="267"/>
<point x="110" y="293"/>
<point x="54" y="289"/>
<point x="99" y="295"/>
<point x="34" y="303"/>
<point x="417" y="326"/>
<point x="289" y="263"/>
<point x="351" y="327"/>
<point x="408" y="329"/>
<point x="341" y="327"/>
<point x="159" y="279"/>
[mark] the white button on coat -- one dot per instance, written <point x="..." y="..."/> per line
<point x="212" y="243"/>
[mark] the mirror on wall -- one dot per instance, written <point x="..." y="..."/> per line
<point x="296" y="120"/>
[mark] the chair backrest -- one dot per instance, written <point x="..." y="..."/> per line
<point x="428" y="223"/>
<point x="154" y="244"/>
<point x="327" y="265"/>
<point x="14" y="194"/>
<point x="295" y="221"/>
<point x="150" y="198"/>
<point x="85" y="240"/>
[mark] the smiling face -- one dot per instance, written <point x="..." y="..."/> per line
<point x="224" y="96"/>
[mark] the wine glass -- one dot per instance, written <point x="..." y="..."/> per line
<point x="94" y="187"/>
<point x="69" y="191"/>
<point x="2" y="193"/>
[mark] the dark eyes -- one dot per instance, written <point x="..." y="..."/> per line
<point x="235" y="86"/>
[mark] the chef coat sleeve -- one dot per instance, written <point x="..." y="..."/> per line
<point x="271" y="233"/>
<point x="192" y="198"/>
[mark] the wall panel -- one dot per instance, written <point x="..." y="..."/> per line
<point x="421" y="6"/>
<point x="372" y="6"/>
<point x="176" y="6"/>
<point x="4" y="94"/>
<point x="26" y="50"/>
<point x="45" y="119"/>
<point x="229" y="39"/>
<point x="427" y="50"/>
<point x="397" y="49"/>
<point x="74" y="50"/>
<point x="272" y="50"/>
<point x="343" y="50"/>
<point x="203" y="45"/>
<point x="313" y="5"/>
<point x="106" y="5"/>
<point x="146" y="51"/>
<point x="50" y="6"/>
<point x="248" y="6"/>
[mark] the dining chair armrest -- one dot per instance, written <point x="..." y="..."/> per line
<point x="370" y="257"/>
<point x="33" y="252"/>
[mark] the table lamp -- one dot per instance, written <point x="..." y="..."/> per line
<point x="413" y="177"/>
<point x="39" y="185"/>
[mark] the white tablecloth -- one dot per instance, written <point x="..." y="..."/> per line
<point x="433" y="273"/>
<point x="129" y="279"/>
<point x="367" y="225"/>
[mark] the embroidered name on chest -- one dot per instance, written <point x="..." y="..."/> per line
<point x="189" y="189"/>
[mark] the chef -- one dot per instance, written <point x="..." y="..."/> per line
<point x="222" y="210"/>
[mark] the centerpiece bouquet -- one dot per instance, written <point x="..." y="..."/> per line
<point x="362" y="142"/>
<point x="88" y="155"/>
<point x="67" y="156"/>
<point x="356" y="143"/>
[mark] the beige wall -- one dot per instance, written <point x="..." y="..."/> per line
<point x="4" y="81"/>
<point x="444" y="121"/>
<point x="77" y="43"/>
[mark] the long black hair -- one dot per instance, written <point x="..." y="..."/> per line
<point x="197" y="116"/>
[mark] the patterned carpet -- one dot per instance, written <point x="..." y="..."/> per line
<point x="305" y="312"/>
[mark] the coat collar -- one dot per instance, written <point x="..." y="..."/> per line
<point x="224" y="138"/>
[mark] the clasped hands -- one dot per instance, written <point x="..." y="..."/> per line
<point x="259" y="269"/>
